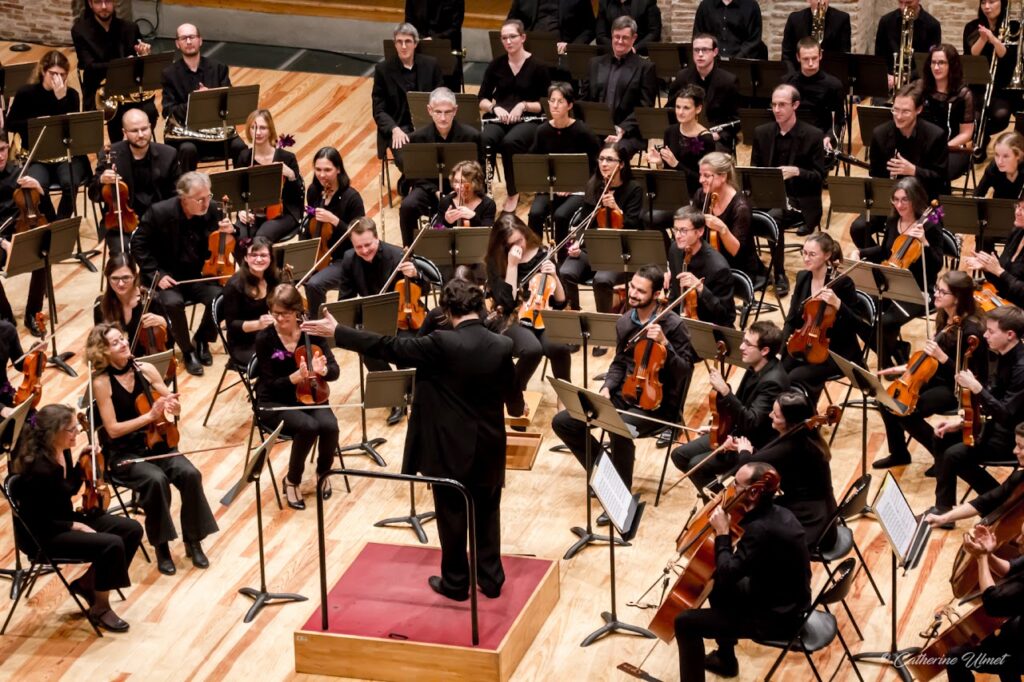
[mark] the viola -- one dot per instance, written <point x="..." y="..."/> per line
<point x="610" y="218"/>
<point x="222" y="248"/>
<point x="906" y="250"/>
<point x="920" y="369"/>
<point x="119" y="214"/>
<point x="322" y="231"/>
<point x="970" y="629"/>
<point x="542" y="288"/>
<point x="31" y="387"/>
<point x="968" y="402"/>
<point x="27" y="199"/>
<point x="721" y="421"/>
<point x="411" y="312"/>
<point x="811" y="341"/>
<point x="161" y="430"/>
<point x="154" y="339"/>
<point x="710" y="204"/>
<point x="986" y="297"/>
<point x="314" y="389"/>
<point x="643" y="386"/>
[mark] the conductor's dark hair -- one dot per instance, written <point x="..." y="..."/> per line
<point x="653" y="274"/>
<point x="795" y="407"/>
<point x="460" y="297"/>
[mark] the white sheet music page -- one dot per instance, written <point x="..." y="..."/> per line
<point x="612" y="492"/>
<point x="896" y="516"/>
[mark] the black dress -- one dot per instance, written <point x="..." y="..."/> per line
<point x="283" y="225"/>
<point x="737" y="215"/>
<point x="239" y="308"/>
<point x="688" y="152"/>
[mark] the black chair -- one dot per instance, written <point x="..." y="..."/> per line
<point x="10" y="430"/>
<point x="820" y="628"/>
<point x="865" y="312"/>
<point x="743" y="289"/>
<point x="229" y="364"/>
<point x="430" y="272"/>
<point x="991" y="464"/>
<point x="766" y="239"/>
<point x="951" y="244"/>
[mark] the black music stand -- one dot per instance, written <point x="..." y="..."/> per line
<point x="134" y="75"/>
<point x="868" y="76"/>
<point x="38" y="249"/>
<point x="248" y="186"/>
<point x="750" y="119"/>
<point x="624" y="512"/>
<point x="597" y="116"/>
<point x="221" y="108"/>
<point x="743" y="70"/>
<point x="435" y="160"/>
<point x="69" y="135"/>
<point x="594" y="410"/>
<point x="668" y="59"/>
<point x="581" y="328"/>
<point x="460" y="246"/>
<point x="577" y="60"/>
<point x="392" y="389"/>
<point x="12" y="77"/>
<point x="468" y="112"/>
<point x="664" y="190"/>
<point x="440" y="49"/>
<point x="908" y="536"/>
<point x="549" y="174"/>
<point x="986" y="219"/>
<point x="300" y="255"/>
<point x="705" y="336"/>
<point x="857" y="194"/>
<point x="624" y="250"/>
<point x="653" y="121"/>
<point x="869" y="118"/>
<point x="542" y="44"/>
<point x="765" y="187"/>
<point x="376" y="314"/>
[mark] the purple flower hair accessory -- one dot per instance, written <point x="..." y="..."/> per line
<point x="280" y="354"/>
<point x="936" y="215"/>
<point x="311" y="211"/>
<point x="245" y="243"/>
<point x="32" y="421"/>
<point x="285" y="140"/>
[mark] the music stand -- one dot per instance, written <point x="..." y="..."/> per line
<point x="664" y="190"/>
<point x="976" y="68"/>
<point x="624" y="250"/>
<point x="750" y="119"/>
<point x="908" y="537"/>
<point x="594" y="410"/>
<point x="624" y="512"/>
<point x="743" y="70"/>
<point x="460" y="246"/>
<point x="705" y="336"/>
<point x="12" y="78"/>
<point x="542" y="44"/>
<point x="468" y="111"/>
<point x="869" y="118"/>
<point x="577" y="60"/>
<point x="551" y="173"/>
<point x="221" y="108"/>
<point x="581" y="328"/>
<point x="985" y="219"/>
<point x="653" y="121"/>
<point x="868" y="75"/>
<point x="69" y="135"/>
<point x="40" y="248"/>
<point x="438" y="48"/>
<point x="435" y="160"/>
<point x="764" y="185"/>
<point x="249" y="186"/>
<point x="300" y="255"/>
<point x="376" y="314"/>
<point x="667" y="59"/>
<point x="15" y="421"/>
<point x="135" y="75"/>
<point x="856" y="194"/>
<point x="597" y="116"/>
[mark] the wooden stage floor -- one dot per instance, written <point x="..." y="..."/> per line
<point x="189" y="626"/>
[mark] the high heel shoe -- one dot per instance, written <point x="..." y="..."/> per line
<point x="326" y="490"/>
<point x="291" y="487"/>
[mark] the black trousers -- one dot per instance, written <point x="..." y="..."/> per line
<point x="862" y="231"/>
<point x="894" y="316"/>
<point x="319" y="284"/>
<point x="306" y="428"/>
<point x="110" y="549"/>
<point x="48" y="173"/>
<point x="572" y="271"/>
<point x="452" y="530"/>
<point x="529" y="346"/>
<point x="191" y="152"/>
<point x="419" y="202"/>
<point x="689" y="455"/>
<point x="933" y="400"/>
<point x="810" y="377"/>
<point x="998" y="654"/>
<point x="565" y="209"/>
<point x="174" y="300"/>
<point x="509" y="140"/>
<point x="275" y="230"/>
<point x="152" y="481"/>
<point x="959" y="460"/>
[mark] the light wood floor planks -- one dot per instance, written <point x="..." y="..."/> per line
<point x="189" y="626"/>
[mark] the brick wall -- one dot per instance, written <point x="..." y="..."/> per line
<point x="44" y="21"/>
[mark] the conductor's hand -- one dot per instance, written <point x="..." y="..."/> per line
<point x="719" y="521"/>
<point x="325" y="326"/>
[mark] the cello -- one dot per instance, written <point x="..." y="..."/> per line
<point x="221" y="262"/>
<point x="811" y="341"/>
<point x="971" y="628"/>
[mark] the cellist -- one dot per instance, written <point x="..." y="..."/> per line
<point x="691" y="259"/>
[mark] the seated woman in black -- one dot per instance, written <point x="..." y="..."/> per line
<point x="123" y="301"/>
<point x="1003" y="173"/>
<point x="278" y="221"/>
<point x="468" y="204"/>
<point x="245" y="299"/>
<point x="1006" y="271"/>
<point x="949" y="104"/>
<point x="279" y="374"/>
<point x="730" y="216"/>
<point x="685" y="143"/>
<point x="909" y="202"/>
<point x="49" y="479"/>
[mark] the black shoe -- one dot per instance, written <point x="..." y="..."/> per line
<point x="192" y="364"/>
<point x="781" y="285"/>
<point x="601" y="377"/>
<point x="203" y="351"/>
<point x="979" y="154"/>
<point x="83" y="591"/>
<point x="721" y="665"/>
<point x="194" y="551"/>
<point x="891" y="461"/>
<point x="490" y="592"/>
<point x="664" y="439"/>
<point x="598" y="351"/>
<point x="108" y="620"/>
<point x="326" y="491"/>
<point x="435" y="584"/>
<point x="164" y="562"/>
<point x="33" y="328"/>
<point x="804" y="230"/>
<point x="396" y="415"/>
<point x="287" y="485"/>
<point x="937" y="511"/>
<point x="930" y="471"/>
<point x="602" y="519"/>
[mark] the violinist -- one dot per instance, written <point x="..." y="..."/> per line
<point x="691" y="259"/>
<point x="9" y="183"/>
<point x="950" y="104"/>
<point x="687" y="142"/>
<point x="122" y="302"/>
<point x="514" y="250"/>
<point x="1003" y="173"/>
<point x="671" y="333"/>
<point x="49" y="480"/>
<point x="563" y="133"/>
<point x="747" y="409"/>
<point x="954" y="302"/>
<point x="909" y="202"/>
<point x="821" y="256"/>
<point x="171" y="244"/>
<point x="467" y="205"/>
<point x="266" y="149"/>
<point x="1005" y="272"/>
<point x="148" y="168"/>
<point x="120" y="386"/>
<point x="1000" y="399"/>
<point x="762" y="582"/>
<point x="281" y="373"/>
<point x="624" y="198"/>
<point x="245" y="298"/>
<point x="333" y="203"/>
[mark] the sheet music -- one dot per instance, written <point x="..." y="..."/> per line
<point x="612" y="493"/>
<point x="896" y="516"/>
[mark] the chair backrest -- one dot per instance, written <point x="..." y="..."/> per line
<point x="855" y="501"/>
<point x="429" y="270"/>
<point x="742" y="288"/>
<point x="24" y="540"/>
<point x="951" y="249"/>
<point x="865" y="312"/>
<point x="766" y="235"/>
<point x="839" y="584"/>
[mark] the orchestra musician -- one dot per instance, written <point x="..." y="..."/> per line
<point x="509" y="95"/>
<point x="909" y="202"/>
<point x="622" y="81"/>
<point x="11" y="354"/>
<point x="821" y="257"/>
<point x="690" y="260"/>
<point x="645" y="13"/>
<point x="9" y="183"/>
<point x="464" y="378"/>
<point x="1002" y="174"/>
<point x="245" y="299"/>
<point x="821" y="93"/>
<point x="187" y="75"/>
<point x="392" y="79"/>
<point x="687" y="142"/>
<point x="835" y="31"/>
<point x="280" y="375"/>
<point x="332" y="200"/>
<point x="762" y="582"/>
<point x="100" y="36"/>
<point x="467" y="205"/>
<point x="262" y="133"/>
<point x="441" y="19"/>
<point x="513" y="251"/>
<point x="982" y="37"/>
<point x="170" y="245"/>
<point x="119" y="382"/>
<point x="721" y="88"/>
<point x="443" y="129"/>
<point x="1006" y="271"/>
<point x="1000" y="399"/>
<point x="50" y="95"/>
<point x="572" y="20"/>
<point x="49" y="480"/>
<point x="149" y="169"/>
<point x="748" y="407"/>
<point x="926" y="31"/>
<point x="671" y="333"/>
<point x="563" y="133"/>
<point x="954" y="300"/>
<point x="950" y="105"/>
<point x="736" y="24"/>
<point x="122" y="301"/>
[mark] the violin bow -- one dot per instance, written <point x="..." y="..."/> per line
<point x="405" y="256"/>
<point x="828" y="285"/>
<point x="48" y="336"/>
<point x="657" y="318"/>
<point x="326" y="255"/>
<point x="145" y="309"/>
<point x="166" y="455"/>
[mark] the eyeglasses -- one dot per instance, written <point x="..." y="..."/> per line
<point x="683" y="230"/>
<point x="900" y="200"/>
<point x="608" y="159"/>
<point x="280" y="313"/>
<point x="199" y="200"/>
<point x="443" y="112"/>
<point x="509" y="38"/>
<point x="188" y="38"/>
<point x="943" y="292"/>
<point x="258" y="255"/>
<point x="703" y="50"/>
<point x="808" y="254"/>
<point x="74" y="428"/>
<point x="121" y="279"/>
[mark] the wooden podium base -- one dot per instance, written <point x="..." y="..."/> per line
<point x="387" y="624"/>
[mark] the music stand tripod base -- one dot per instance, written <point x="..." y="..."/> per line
<point x="262" y="599"/>
<point x="414" y="520"/>
<point x="586" y="538"/>
<point x="368" y="447"/>
<point x="613" y="624"/>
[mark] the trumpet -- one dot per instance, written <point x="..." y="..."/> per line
<point x="818" y="21"/>
<point x="904" y="57"/>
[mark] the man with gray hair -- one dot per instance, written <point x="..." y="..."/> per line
<point x="644" y="12"/>
<point x="171" y="244"/>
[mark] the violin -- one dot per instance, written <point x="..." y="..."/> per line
<point x="811" y="341"/>
<point x="610" y="218"/>
<point x="154" y="339"/>
<point x="906" y="250"/>
<point x="971" y="629"/>
<point x="542" y="288"/>
<point x="710" y="204"/>
<point x="986" y="297"/>
<point x="312" y="390"/>
<point x="643" y="386"/>
<point x="222" y="248"/>
<point x="119" y="213"/>
<point x="411" y="313"/>
<point x="95" y="493"/>
<point x="920" y="369"/>
<point x="31" y="387"/>
<point x="322" y="231"/>
<point x="721" y="421"/>
<point x="968" y="403"/>
<point x="161" y="430"/>
<point x="27" y="199"/>
<point x="690" y="300"/>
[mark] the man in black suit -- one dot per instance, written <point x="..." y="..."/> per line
<point x="464" y="380"/>
<point x="721" y="100"/>
<point x="692" y="259"/>
<point x="644" y="12"/>
<point x="100" y="36"/>
<point x="927" y="32"/>
<point x="443" y="129"/>
<point x="170" y="245"/>
<point x="150" y="170"/>
<point x="622" y="81"/>
<point x="440" y="19"/>
<point x="190" y="73"/>
<point x="821" y="93"/>
<point x="392" y="79"/>
<point x="736" y="24"/>
<point x="571" y="20"/>
<point x="748" y="407"/>
<point x="799" y="25"/>
<point x="9" y="184"/>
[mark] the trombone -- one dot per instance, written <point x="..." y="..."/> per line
<point x="1008" y="36"/>
<point x="903" y="58"/>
